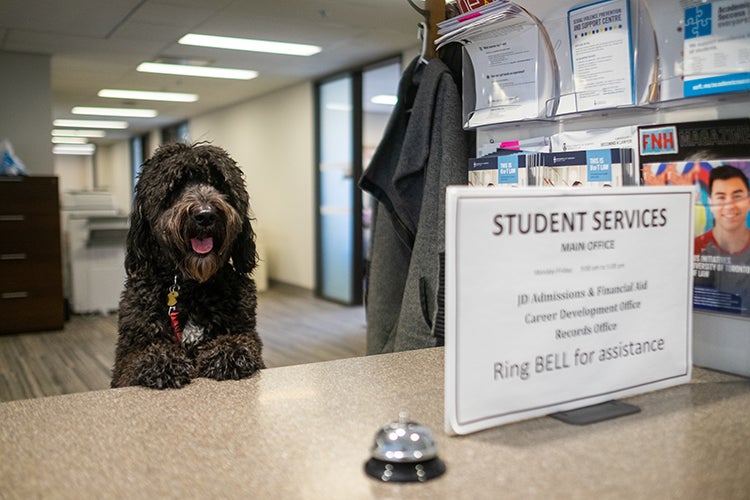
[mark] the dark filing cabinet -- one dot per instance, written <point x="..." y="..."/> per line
<point x="31" y="292"/>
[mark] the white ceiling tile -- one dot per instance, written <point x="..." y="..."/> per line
<point x="98" y="43"/>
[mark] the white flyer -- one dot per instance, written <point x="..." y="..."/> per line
<point x="558" y="299"/>
<point x="505" y="71"/>
<point x="601" y="52"/>
<point x="717" y="47"/>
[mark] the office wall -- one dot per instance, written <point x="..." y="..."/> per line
<point x="272" y="139"/>
<point x="26" y="108"/>
<point x="74" y="172"/>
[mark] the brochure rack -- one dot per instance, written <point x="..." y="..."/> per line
<point x="582" y="60"/>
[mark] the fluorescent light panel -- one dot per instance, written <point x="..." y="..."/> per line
<point x="225" y="42"/>
<point x="105" y="124"/>
<point x="129" y="112"/>
<point x="69" y="140"/>
<point x="389" y="100"/>
<point x="204" y="71"/>
<point x="145" y="95"/>
<point x="78" y="133"/>
<point x="74" y="149"/>
<point x="335" y="106"/>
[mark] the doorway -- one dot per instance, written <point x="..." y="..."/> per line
<point x="352" y="111"/>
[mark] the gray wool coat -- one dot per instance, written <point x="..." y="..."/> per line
<point x="424" y="150"/>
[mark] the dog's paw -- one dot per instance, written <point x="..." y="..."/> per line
<point x="227" y="358"/>
<point x="163" y="368"/>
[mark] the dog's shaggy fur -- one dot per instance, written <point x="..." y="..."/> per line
<point x="190" y="233"/>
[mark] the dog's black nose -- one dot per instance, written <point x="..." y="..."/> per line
<point x="205" y="218"/>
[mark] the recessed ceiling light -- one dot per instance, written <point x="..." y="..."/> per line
<point x="389" y="100"/>
<point x="74" y="149"/>
<point x="69" y="140"/>
<point x="225" y="42"/>
<point x="147" y="95"/>
<point x="206" y="71"/>
<point x="106" y="124"/>
<point x="78" y="133"/>
<point x="129" y="112"/>
<point x="334" y="106"/>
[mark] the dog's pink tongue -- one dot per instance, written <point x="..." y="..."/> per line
<point x="202" y="246"/>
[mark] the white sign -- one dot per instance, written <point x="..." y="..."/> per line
<point x="717" y="58"/>
<point x="505" y="61"/>
<point x="562" y="298"/>
<point x="601" y="51"/>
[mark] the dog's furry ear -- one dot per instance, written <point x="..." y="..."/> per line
<point x="225" y="168"/>
<point x="141" y="244"/>
<point x="244" y="254"/>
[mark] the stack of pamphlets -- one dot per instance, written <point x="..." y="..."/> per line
<point x="587" y="168"/>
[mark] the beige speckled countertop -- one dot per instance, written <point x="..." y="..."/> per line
<point x="305" y="432"/>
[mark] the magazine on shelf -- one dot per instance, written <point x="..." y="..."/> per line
<point x="721" y="259"/>
<point x="702" y="140"/>
<point x="687" y="153"/>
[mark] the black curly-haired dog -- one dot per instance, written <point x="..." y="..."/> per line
<point x="188" y="307"/>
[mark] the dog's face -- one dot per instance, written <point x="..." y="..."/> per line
<point x="198" y="230"/>
<point x="190" y="214"/>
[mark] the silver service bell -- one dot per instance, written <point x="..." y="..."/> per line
<point x="404" y="451"/>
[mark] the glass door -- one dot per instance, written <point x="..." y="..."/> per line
<point x="339" y="231"/>
<point x="352" y="112"/>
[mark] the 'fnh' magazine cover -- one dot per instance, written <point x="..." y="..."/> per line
<point x="721" y="252"/>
